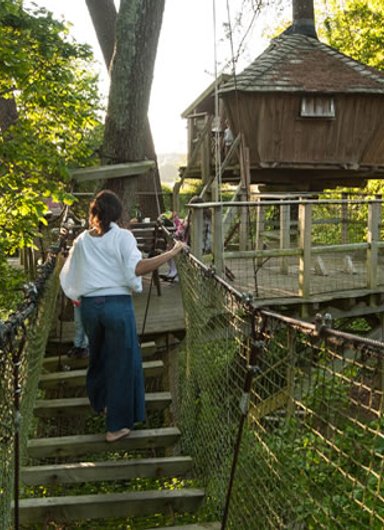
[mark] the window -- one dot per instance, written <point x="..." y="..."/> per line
<point x="317" y="107"/>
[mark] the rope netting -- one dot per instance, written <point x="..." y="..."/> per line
<point x="22" y="346"/>
<point x="311" y="452"/>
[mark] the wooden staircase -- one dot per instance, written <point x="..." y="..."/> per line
<point x="75" y="468"/>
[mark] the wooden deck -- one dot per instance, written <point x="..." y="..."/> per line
<point x="165" y="312"/>
<point x="332" y="285"/>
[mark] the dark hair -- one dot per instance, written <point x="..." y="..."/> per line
<point x="107" y="207"/>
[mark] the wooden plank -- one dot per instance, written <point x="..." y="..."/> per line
<point x="305" y="241"/>
<point x="80" y="405"/>
<point x="73" y="378"/>
<point x="197" y="526"/>
<point x="130" y="169"/>
<point x="95" y="443"/>
<point x="331" y="249"/>
<point x="285" y="234"/>
<point x="106" y="471"/>
<point x="148" y="349"/>
<point x="134" y="503"/>
<point x="56" y="362"/>
<point x="217" y="241"/>
<point x="270" y="404"/>
<point x="374" y="218"/>
<point x="270" y="253"/>
<point x="165" y="315"/>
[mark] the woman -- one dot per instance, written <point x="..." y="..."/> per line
<point x="103" y="269"/>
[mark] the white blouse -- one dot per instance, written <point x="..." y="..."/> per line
<point x="102" y="266"/>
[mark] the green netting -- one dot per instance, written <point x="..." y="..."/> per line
<point x="312" y="448"/>
<point x="37" y="326"/>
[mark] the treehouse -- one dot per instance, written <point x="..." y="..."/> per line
<point x="310" y="117"/>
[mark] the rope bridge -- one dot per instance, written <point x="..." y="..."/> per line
<point x="23" y="339"/>
<point x="283" y="418"/>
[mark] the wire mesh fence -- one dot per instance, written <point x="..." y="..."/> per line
<point x="311" y="453"/>
<point x="22" y="346"/>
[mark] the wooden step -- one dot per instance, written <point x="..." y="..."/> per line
<point x="55" y="345"/>
<point x="63" y="362"/>
<point x="71" y="378"/>
<point x="95" y="443"/>
<point x="196" y="526"/>
<point x="135" y="503"/>
<point x="106" y="471"/>
<point x="80" y="405"/>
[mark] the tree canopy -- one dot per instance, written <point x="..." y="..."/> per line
<point x="50" y="104"/>
<point x="357" y="29"/>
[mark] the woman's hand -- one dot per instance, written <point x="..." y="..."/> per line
<point x="150" y="264"/>
<point x="178" y="247"/>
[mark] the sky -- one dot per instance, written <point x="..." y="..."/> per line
<point x="185" y="63"/>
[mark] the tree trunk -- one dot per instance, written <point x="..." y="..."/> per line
<point x="8" y="113"/>
<point x="138" y="29"/>
<point x="103" y="15"/>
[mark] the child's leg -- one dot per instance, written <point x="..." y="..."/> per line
<point x="80" y="339"/>
<point x="172" y="271"/>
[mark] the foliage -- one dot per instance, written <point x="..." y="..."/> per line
<point x="357" y="29"/>
<point x="317" y="480"/>
<point x="166" y="191"/>
<point x="11" y="292"/>
<point x="49" y="79"/>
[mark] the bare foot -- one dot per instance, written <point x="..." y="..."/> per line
<point x="117" y="435"/>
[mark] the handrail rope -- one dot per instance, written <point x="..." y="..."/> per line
<point x="33" y="292"/>
<point x="16" y="360"/>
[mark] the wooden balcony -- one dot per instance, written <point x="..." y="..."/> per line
<point x="303" y="251"/>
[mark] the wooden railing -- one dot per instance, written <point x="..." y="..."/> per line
<point x="305" y="232"/>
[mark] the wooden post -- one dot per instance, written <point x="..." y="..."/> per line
<point x="191" y="127"/>
<point x="374" y="214"/>
<point x="305" y="238"/>
<point x="217" y="240"/>
<point x="285" y="234"/>
<point x="243" y="229"/>
<point x="197" y="232"/>
<point x="176" y="195"/>
<point x="259" y="231"/>
<point x="245" y="192"/>
<point x="214" y="191"/>
<point x="206" y="152"/>
<point x="344" y="220"/>
<point x="380" y="361"/>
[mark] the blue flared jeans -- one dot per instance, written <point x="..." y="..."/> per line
<point x="115" y="375"/>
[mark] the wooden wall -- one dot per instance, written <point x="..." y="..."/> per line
<point x="275" y="132"/>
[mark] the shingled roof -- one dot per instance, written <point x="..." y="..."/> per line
<point x="298" y="63"/>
